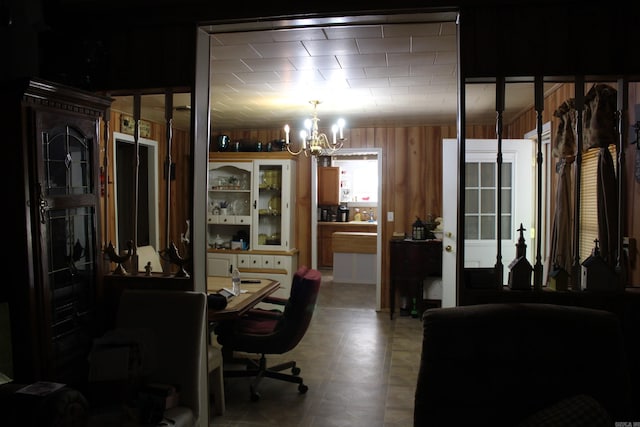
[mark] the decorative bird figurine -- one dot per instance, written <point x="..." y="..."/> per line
<point x="119" y="259"/>
<point x="175" y="258"/>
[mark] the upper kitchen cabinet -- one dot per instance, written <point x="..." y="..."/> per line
<point x="51" y="140"/>
<point x="328" y="186"/>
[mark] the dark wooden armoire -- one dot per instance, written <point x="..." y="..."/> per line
<point x="50" y="140"/>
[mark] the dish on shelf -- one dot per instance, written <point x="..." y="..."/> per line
<point x="275" y="203"/>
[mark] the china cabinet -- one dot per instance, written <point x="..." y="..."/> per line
<point x="51" y="140"/>
<point x="250" y="220"/>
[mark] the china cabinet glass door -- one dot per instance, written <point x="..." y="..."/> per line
<point x="229" y="204"/>
<point x="272" y="206"/>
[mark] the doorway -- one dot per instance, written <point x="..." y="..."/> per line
<point x="375" y="193"/>
<point x="148" y="215"/>
<point x="480" y="216"/>
<point x="215" y="107"/>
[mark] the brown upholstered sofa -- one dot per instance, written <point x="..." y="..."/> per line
<point x="522" y="364"/>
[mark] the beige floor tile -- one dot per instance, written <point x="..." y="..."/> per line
<point x="361" y="369"/>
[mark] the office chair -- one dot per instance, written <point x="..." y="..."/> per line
<point x="264" y="332"/>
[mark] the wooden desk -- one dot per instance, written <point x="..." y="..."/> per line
<point x="411" y="262"/>
<point x="239" y="304"/>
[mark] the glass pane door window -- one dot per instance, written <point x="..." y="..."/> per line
<point x="229" y="204"/>
<point x="272" y="205"/>
<point x="481" y="202"/>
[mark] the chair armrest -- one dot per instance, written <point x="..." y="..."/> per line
<point x="275" y="300"/>
<point x="262" y="313"/>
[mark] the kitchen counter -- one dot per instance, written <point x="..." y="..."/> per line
<point x="355" y="242"/>
<point x="354" y="257"/>
<point x="345" y="224"/>
<point x="325" y="237"/>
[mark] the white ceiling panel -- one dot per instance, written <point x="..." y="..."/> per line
<point x="379" y="71"/>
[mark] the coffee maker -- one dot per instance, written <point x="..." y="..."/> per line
<point x="343" y="213"/>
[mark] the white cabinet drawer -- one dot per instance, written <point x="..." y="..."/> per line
<point x="244" y="261"/>
<point x="282" y="262"/>
<point x="268" y="261"/>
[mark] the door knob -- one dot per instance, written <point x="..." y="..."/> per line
<point x="448" y="248"/>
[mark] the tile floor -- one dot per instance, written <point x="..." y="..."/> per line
<point x="360" y="367"/>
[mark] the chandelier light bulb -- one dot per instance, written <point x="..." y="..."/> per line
<point x="341" y="124"/>
<point x="286" y="132"/>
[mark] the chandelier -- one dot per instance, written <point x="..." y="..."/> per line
<point x="314" y="142"/>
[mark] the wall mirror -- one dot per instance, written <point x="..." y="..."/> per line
<point x="146" y="172"/>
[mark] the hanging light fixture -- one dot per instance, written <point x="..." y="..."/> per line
<point x="312" y="140"/>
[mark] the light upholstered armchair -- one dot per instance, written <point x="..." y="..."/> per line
<point x="159" y="337"/>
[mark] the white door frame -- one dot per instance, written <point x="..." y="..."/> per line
<point x="543" y="229"/>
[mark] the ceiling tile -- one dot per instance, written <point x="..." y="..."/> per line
<point x="387" y="71"/>
<point x="233" y="52"/>
<point x="411" y="58"/>
<point x="413" y="30"/>
<point x="377" y="82"/>
<point x="280" y="49"/>
<point x="268" y="64"/>
<point x="331" y="47"/>
<point x="354" y="32"/>
<point x="394" y="44"/>
<point x="362" y="61"/>
<point x="311" y="62"/>
<point x="434" y="44"/>
<point x="343" y="73"/>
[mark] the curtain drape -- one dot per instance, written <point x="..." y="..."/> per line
<point x="561" y="253"/>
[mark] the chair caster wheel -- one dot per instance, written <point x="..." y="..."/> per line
<point x="255" y="396"/>
<point x="302" y="388"/>
<point x="295" y="370"/>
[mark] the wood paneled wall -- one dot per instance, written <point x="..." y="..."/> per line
<point x="411" y="177"/>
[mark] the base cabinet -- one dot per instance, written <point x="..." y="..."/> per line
<point x="256" y="264"/>
<point x="412" y="261"/>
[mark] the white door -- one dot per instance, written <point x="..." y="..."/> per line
<point x="480" y="204"/>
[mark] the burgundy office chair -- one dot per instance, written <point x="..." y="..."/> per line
<point x="271" y="332"/>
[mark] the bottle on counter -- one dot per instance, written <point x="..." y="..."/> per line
<point x="235" y="281"/>
<point x="357" y="216"/>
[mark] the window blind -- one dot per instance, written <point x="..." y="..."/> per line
<point x="589" y="200"/>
